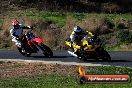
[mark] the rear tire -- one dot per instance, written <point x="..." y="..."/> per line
<point x="23" y="53"/>
<point x="46" y="50"/>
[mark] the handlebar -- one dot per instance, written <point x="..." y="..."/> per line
<point x="31" y="28"/>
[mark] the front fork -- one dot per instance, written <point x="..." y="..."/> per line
<point x="38" y="46"/>
<point x="33" y="46"/>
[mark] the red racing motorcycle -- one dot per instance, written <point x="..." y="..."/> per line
<point x="32" y="44"/>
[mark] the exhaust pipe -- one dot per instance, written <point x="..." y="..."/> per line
<point x="72" y="53"/>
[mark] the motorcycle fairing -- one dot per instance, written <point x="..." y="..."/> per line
<point x="37" y="40"/>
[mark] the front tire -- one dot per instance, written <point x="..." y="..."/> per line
<point x="46" y="50"/>
<point x="106" y="56"/>
<point x="103" y="54"/>
<point x="82" y="56"/>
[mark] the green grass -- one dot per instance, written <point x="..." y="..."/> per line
<point x="1" y="21"/>
<point x="108" y="70"/>
<point x="54" y="81"/>
<point x="79" y="16"/>
<point x="59" y="81"/>
<point x="55" y="17"/>
<point x="60" y="18"/>
<point x="112" y="17"/>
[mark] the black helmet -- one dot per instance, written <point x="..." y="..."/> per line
<point x="77" y="30"/>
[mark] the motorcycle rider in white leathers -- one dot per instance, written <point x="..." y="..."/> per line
<point x="17" y="31"/>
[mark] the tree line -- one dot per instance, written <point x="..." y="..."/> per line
<point x="99" y="6"/>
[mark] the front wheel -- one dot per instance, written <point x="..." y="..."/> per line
<point x="106" y="56"/>
<point x="46" y="50"/>
<point x="103" y="54"/>
<point x="23" y="52"/>
<point x="82" y="56"/>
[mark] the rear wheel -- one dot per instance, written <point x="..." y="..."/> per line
<point x="46" y="50"/>
<point x="23" y="52"/>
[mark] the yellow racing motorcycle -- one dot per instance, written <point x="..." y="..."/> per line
<point x="90" y="47"/>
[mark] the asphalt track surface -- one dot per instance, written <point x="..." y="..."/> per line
<point x="123" y="59"/>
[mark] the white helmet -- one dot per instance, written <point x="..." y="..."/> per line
<point x="77" y="29"/>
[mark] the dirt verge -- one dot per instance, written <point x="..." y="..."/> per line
<point x="12" y="69"/>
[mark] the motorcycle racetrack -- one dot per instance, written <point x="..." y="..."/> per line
<point x="122" y="59"/>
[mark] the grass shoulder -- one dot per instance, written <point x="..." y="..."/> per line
<point x="60" y="77"/>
